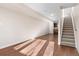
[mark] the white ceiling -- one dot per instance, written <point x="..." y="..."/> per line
<point x="50" y="9"/>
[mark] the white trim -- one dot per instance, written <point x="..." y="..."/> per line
<point x="59" y="35"/>
<point x="60" y="27"/>
<point x="62" y="22"/>
<point x="74" y="25"/>
<point x="5" y="46"/>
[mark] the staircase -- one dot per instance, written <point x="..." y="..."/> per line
<point x="68" y="33"/>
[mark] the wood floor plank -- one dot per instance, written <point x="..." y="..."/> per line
<point x="49" y="50"/>
<point x="38" y="48"/>
<point x="59" y="50"/>
<point x="30" y="52"/>
<point x="30" y="47"/>
<point x="23" y="44"/>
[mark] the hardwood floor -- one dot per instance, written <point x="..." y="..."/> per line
<point x="43" y="46"/>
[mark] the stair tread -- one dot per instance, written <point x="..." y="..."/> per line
<point x="68" y="40"/>
<point x="69" y="36"/>
<point x="68" y="44"/>
<point x="68" y="30"/>
<point x="67" y="26"/>
<point x="71" y="33"/>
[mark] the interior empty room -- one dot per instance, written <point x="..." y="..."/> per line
<point x="39" y="29"/>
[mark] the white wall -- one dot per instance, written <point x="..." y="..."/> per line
<point x="75" y="15"/>
<point x="60" y="27"/>
<point x="67" y="12"/>
<point x="16" y="27"/>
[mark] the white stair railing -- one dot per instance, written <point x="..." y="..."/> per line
<point x="60" y="28"/>
<point x="74" y="26"/>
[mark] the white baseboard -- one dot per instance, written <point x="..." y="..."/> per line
<point x="5" y="46"/>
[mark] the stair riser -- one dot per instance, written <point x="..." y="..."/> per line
<point x="71" y="41"/>
<point x="68" y="44"/>
<point x="70" y="27"/>
<point x="68" y="22"/>
<point x="67" y="25"/>
<point x="67" y="28"/>
<point x="68" y="32"/>
<point x="68" y="40"/>
<point x="71" y="33"/>
<point x="68" y="37"/>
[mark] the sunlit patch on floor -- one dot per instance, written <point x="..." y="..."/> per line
<point x="34" y="48"/>
<point x="46" y="45"/>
